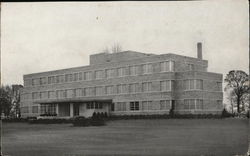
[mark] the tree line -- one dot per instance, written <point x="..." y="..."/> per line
<point x="10" y="100"/>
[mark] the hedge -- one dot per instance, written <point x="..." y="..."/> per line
<point x="93" y="121"/>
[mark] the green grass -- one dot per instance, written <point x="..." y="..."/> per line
<point x="189" y="137"/>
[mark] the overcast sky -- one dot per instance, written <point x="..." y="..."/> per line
<point x="37" y="37"/>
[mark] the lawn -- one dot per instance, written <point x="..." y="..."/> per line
<point x="173" y="137"/>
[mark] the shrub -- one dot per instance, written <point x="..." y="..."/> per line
<point x="49" y="121"/>
<point x="225" y="114"/>
<point x="171" y="112"/>
<point x="49" y="114"/>
<point x="15" y="120"/>
<point x="96" y="120"/>
<point x="167" y="116"/>
<point x="81" y="121"/>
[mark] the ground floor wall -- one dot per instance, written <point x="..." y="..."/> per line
<point x="129" y="107"/>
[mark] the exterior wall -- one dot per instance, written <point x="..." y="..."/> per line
<point x="115" y="57"/>
<point x="177" y="77"/>
<point x="211" y="93"/>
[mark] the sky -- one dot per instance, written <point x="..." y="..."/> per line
<point x="37" y="37"/>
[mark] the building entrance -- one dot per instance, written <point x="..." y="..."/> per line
<point x="76" y="109"/>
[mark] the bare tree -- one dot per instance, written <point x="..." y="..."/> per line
<point x="16" y="89"/>
<point x="238" y="81"/>
<point x="116" y="48"/>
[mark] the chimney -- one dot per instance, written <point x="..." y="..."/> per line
<point x="199" y="50"/>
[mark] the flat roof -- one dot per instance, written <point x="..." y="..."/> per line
<point x="144" y="56"/>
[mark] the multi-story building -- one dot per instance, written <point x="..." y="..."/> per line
<point x="127" y="82"/>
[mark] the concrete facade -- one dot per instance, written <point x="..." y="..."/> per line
<point x="125" y="83"/>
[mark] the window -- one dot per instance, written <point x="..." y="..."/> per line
<point x="172" y="66"/>
<point x="98" y="74"/>
<point x="26" y="82"/>
<point x="134" y="106"/>
<point x="110" y="73"/>
<point x="98" y="105"/>
<point x="121" y="106"/>
<point x="76" y="77"/>
<point x="147" y="86"/>
<point x="147" y="68"/>
<point x="164" y="66"/>
<point x="98" y="91"/>
<point x="165" y="104"/>
<point x="70" y="93"/>
<point x="80" y="76"/>
<point x="68" y="78"/>
<point x="166" y="85"/>
<point x="88" y="75"/>
<point x="59" y="79"/>
<point x="121" y="88"/>
<point x="88" y="91"/>
<point x="219" y="86"/>
<point x="51" y="79"/>
<point x="193" y="84"/>
<point x="33" y="82"/>
<point x="79" y="92"/>
<point x="34" y="109"/>
<point x="167" y="66"/>
<point x="35" y="95"/>
<point x="51" y="94"/>
<point x="121" y="72"/>
<point x="94" y="105"/>
<point x="133" y="88"/>
<point x="36" y="82"/>
<point x="48" y="109"/>
<point x="61" y="94"/>
<point x="193" y="104"/>
<point x="43" y="95"/>
<point x="199" y="84"/>
<point x="133" y="70"/>
<point x="109" y="90"/>
<point x="199" y="104"/>
<point x="42" y="80"/>
<point x="186" y="104"/>
<point x="90" y="105"/>
<point x="190" y="67"/>
<point x="147" y="105"/>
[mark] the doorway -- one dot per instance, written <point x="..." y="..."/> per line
<point x="76" y="109"/>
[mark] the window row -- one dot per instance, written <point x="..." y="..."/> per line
<point x="193" y="104"/>
<point x="102" y="90"/>
<point x="94" y="105"/>
<point x="145" y="106"/>
<point x="193" y="84"/>
<point x="48" y="108"/>
<point x="166" y="66"/>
